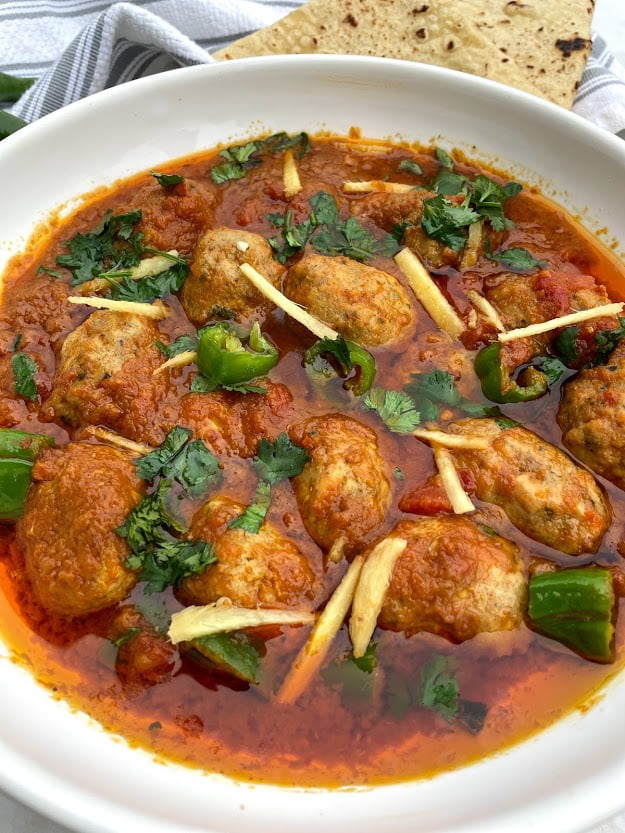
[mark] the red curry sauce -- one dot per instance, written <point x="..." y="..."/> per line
<point x="327" y="739"/>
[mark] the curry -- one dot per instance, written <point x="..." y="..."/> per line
<point x="310" y="461"/>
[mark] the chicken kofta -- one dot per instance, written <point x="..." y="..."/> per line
<point x="543" y="492"/>
<point x="331" y="527"/>
<point x="344" y="491"/>
<point x="73" y="556"/>
<point x="454" y="579"/>
<point x="360" y="302"/>
<point x="216" y="288"/>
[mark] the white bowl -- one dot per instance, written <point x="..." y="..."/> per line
<point x="565" y="779"/>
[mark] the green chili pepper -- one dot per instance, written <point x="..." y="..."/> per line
<point x="9" y="124"/>
<point x="575" y="607"/>
<point x="349" y="357"/>
<point x="12" y="87"/>
<point x="18" y="451"/>
<point x="498" y="386"/>
<point x="224" y="360"/>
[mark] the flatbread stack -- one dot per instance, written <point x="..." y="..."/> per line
<point x="540" y="46"/>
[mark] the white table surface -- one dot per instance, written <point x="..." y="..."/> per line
<point x="609" y="21"/>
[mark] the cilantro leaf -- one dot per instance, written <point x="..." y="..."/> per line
<point x="552" y="367"/>
<point x="182" y="344"/>
<point x="252" y="518"/>
<point x="328" y="234"/>
<point x="190" y="464"/>
<point x="280" y="459"/>
<point x="410" y="166"/>
<point x="517" y="259"/>
<point x="154" y="463"/>
<point x="146" y="290"/>
<point x="565" y="345"/>
<point x="428" y="390"/>
<point x="157" y="556"/>
<point x="172" y="561"/>
<point x="606" y="341"/>
<point x="110" y="245"/>
<point x="240" y="158"/>
<point x="443" y="221"/>
<point x="395" y="408"/>
<point x="488" y="199"/>
<point x="167" y="180"/>
<point x="335" y="348"/>
<point x="234" y="653"/>
<point x="43" y="270"/>
<point x="443" y="158"/>
<point x="439" y="687"/>
<point x="350" y="239"/>
<point x="24" y="369"/>
<point x="352" y="677"/>
<point x="448" y="182"/>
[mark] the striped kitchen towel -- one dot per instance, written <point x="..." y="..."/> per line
<point x="78" y="47"/>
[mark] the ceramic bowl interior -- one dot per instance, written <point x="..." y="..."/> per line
<point x="564" y="779"/>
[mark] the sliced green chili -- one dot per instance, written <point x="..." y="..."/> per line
<point x="225" y="360"/>
<point x="498" y="385"/>
<point x="350" y="358"/>
<point x="18" y="451"/>
<point x="575" y="607"/>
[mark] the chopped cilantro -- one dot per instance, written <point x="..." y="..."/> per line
<point x="352" y="677"/>
<point x="410" y="166"/>
<point x="606" y="341"/>
<point x="111" y="245"/>
<point x="334" y="348"/>
<point x="43" y="270"/>
<point x="146" y="290"/>
<point x="280" y="459"/>
<point x="444" y="221"/>
<point x="328" y="234"/>
<point x="552" y="367"/>
<point x="15" y="344"/>
<point x="443" y="158"/>
<point x="428" y="390"/>
<point x="565" y="345"/>
<point x="252" y="518"/>
<point x="240" y="158"/>
<point x="154" y="726"/>
<point x="395" y="408"/>
<point x="189" y="463"/>
<point x="24" y="369"/>
<point x="350" y="239"/>
<point x="517" y="259"/>
<point x="439" y="687"/>
<point x="167" y="180"/>
<point x="172" y="561"/>
<point x="236" y="654"/>
<point x="399" y="475"/>
<point x="488" y="199"/>
<point x="448" y="182"/>
<point x="182" y="344"/>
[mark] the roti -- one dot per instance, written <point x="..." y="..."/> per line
<point x="540" y="46"/>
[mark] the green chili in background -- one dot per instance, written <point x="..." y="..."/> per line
<point x="18" y="451"/>
<point x="224" y="359"/>
<point x="497" y="384"/>
<point x="575" y="606"/>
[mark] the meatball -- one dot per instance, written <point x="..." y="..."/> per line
<point x="105" y="377"/>
<point x="173" y="217"/>
<point x="73" y="557"/>
<point x="454" y="579"/>
<point x="144" y="656"/>
<point x="542" y="491"/>
<point x="523" y="300"/>
<point x="233" y="423"/>
<point x="592" y="417"/>
<point x="363" y="303"/>
<point x="252" y="570"/>
<point x="215" y="285"/>
<point x="343" y="491"/>
<point x="39" y="301"/>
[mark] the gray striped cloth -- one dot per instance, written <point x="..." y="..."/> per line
<point x="78" y="47"/>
